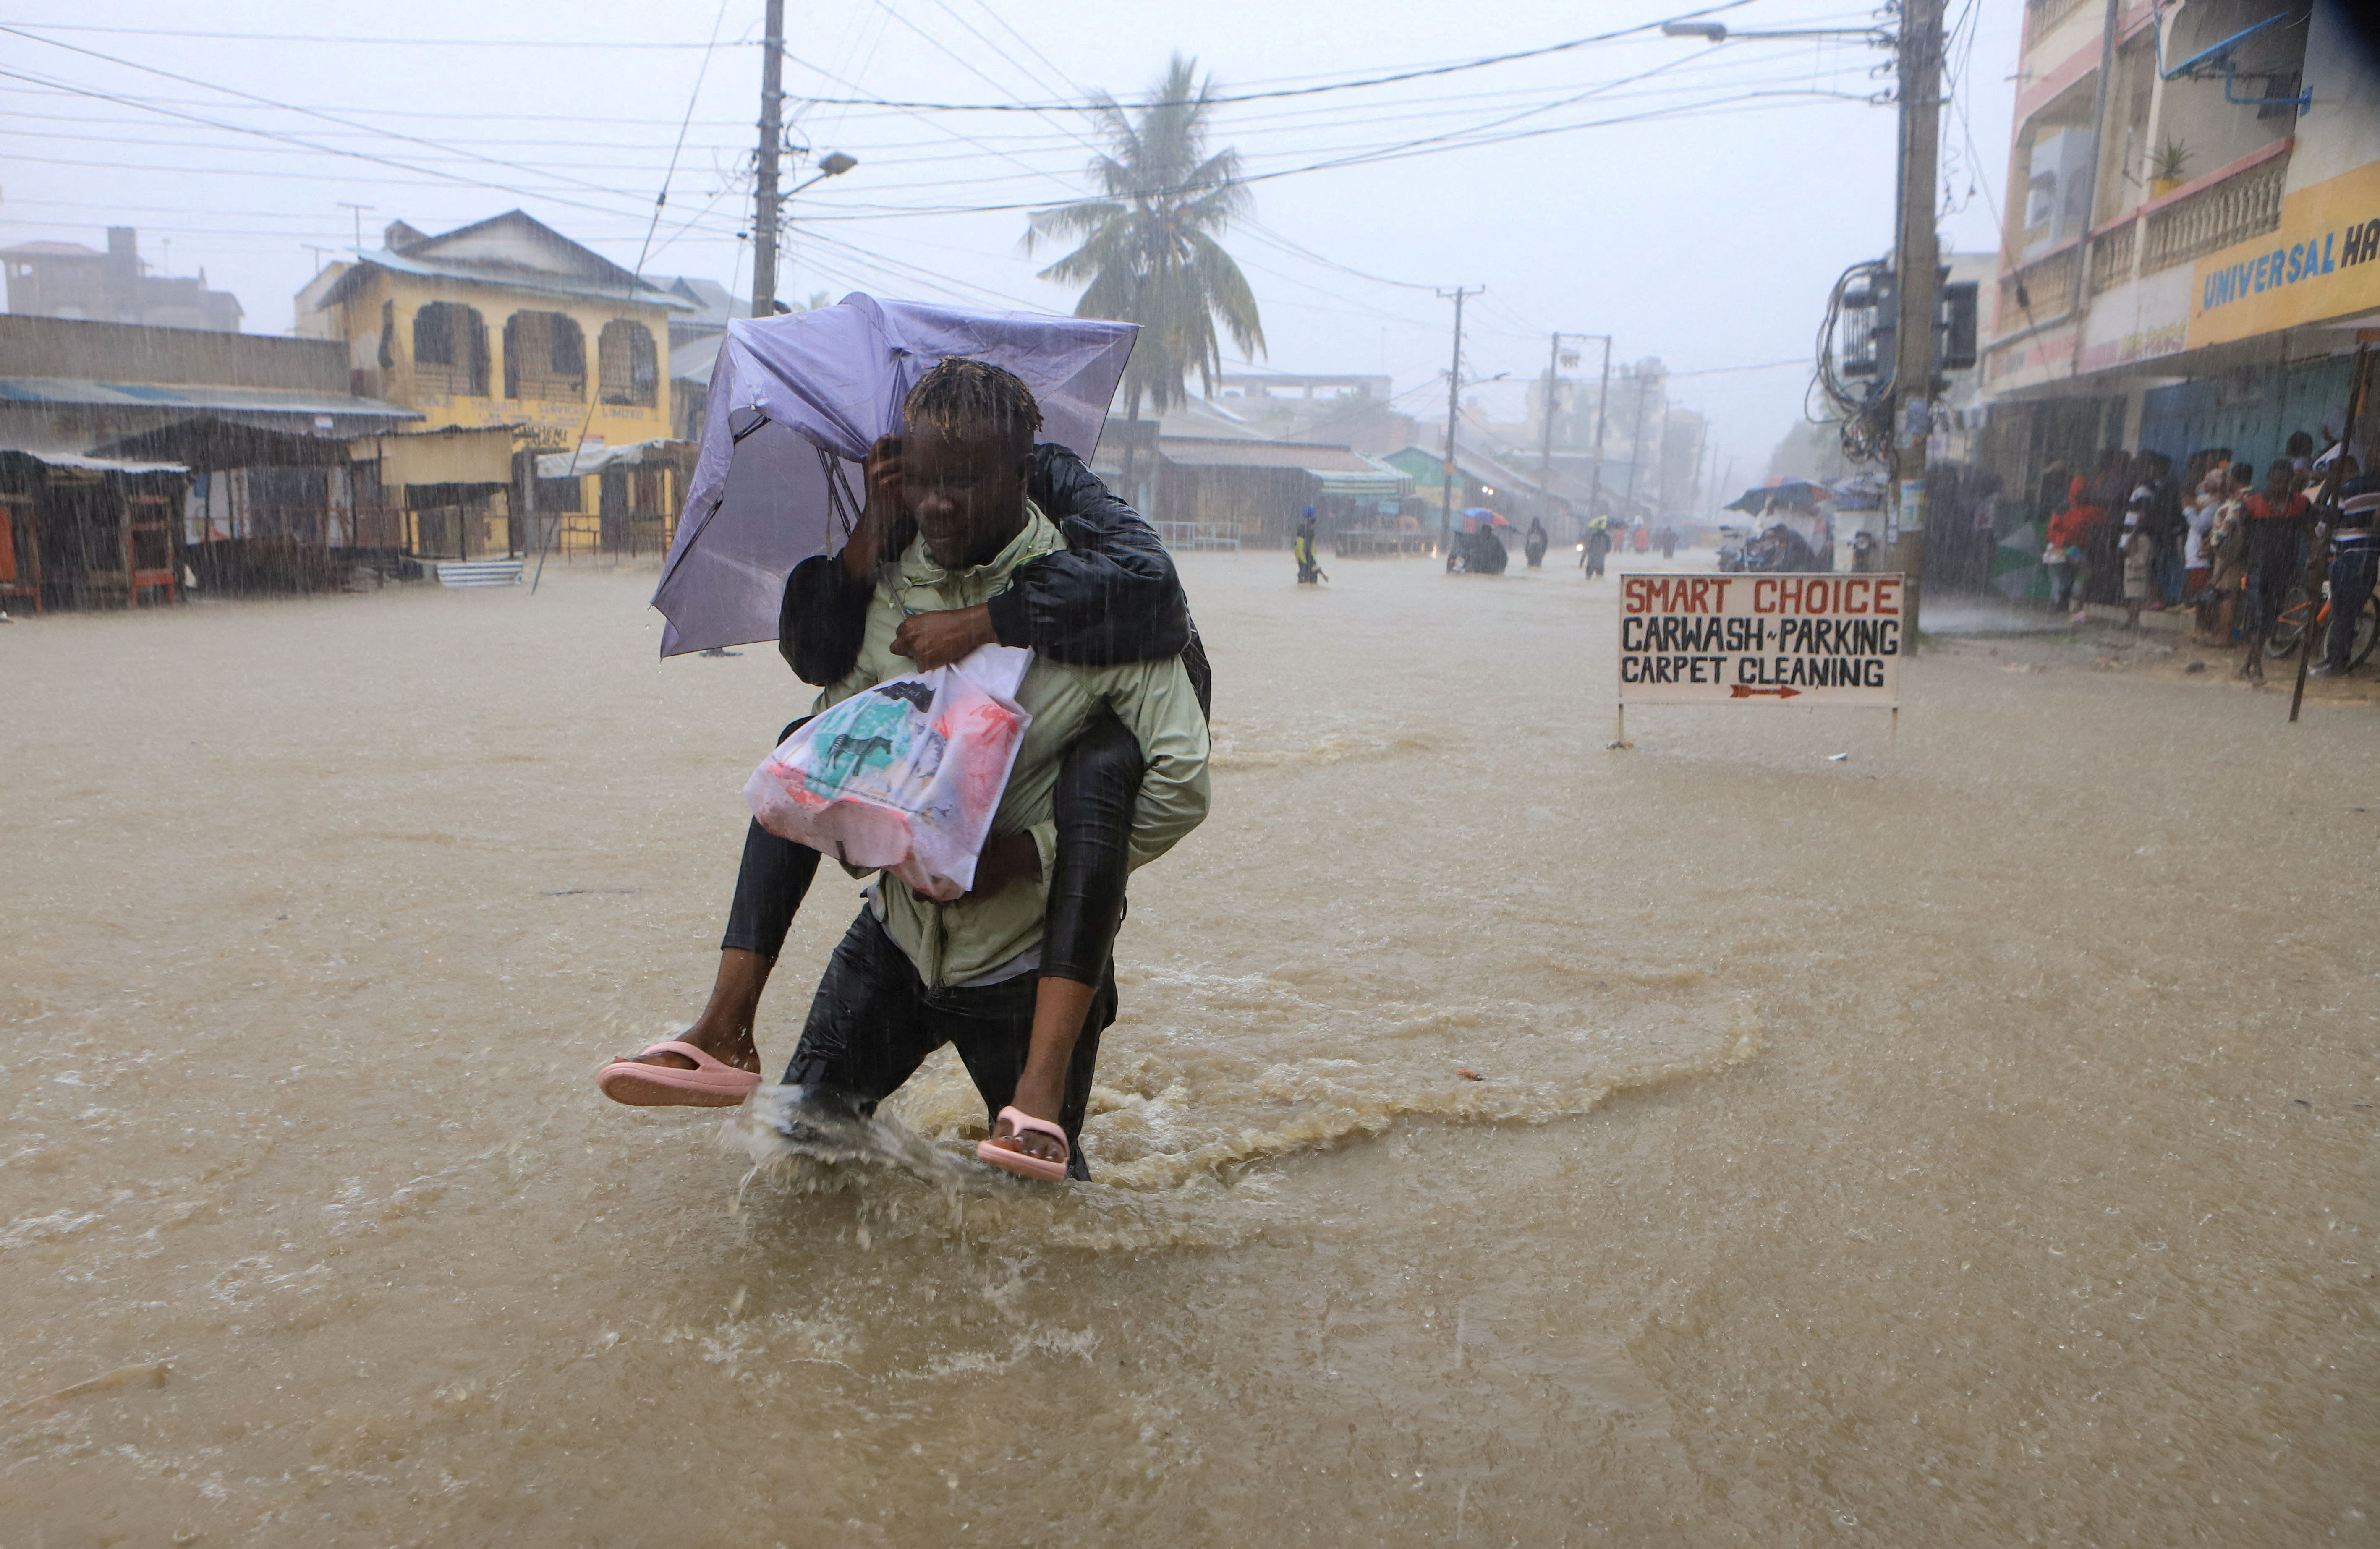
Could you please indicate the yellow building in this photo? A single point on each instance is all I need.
(507, 322)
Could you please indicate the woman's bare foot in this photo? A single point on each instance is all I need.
(724, 1029)
(1060, 1006)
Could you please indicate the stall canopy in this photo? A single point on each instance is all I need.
(796, 403)
(477, 456)
(205, 445)
(590, 458)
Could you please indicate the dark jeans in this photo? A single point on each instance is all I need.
(873, 1022)
(1098, 787)
(2269, 593)
(2353, 570)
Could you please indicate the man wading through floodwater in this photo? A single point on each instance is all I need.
(1016, 973)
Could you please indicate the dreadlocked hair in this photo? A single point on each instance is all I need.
(964, 397)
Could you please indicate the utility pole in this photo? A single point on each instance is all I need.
(1917, 284)
(1546, 448)
(1453, 407)
(764, 189)
(1553, 381)
(1636, 439)
(1602, 397)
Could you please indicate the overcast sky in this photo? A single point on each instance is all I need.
(1706, 233)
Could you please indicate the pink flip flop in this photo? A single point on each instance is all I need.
(1022, 1164)
(712, 1083)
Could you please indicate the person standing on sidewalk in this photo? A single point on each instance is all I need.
(2354, 568)
(2139, 545)
(2067, 555)
(2276, 527)
(2227, 552)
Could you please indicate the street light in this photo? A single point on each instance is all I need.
(1717, 32)
(834, 163)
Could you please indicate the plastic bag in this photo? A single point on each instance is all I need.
(903, 776)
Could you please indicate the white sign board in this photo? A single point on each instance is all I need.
(1760, 639)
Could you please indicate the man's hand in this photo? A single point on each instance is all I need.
(937, 639)
(883, 479)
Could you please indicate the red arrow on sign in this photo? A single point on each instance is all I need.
(1744, 693)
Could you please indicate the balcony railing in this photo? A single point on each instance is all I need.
(2111, 256)
(2230, 209)
(2041, 292)
(2043, 14)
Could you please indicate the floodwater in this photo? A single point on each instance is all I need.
(1968, 1141)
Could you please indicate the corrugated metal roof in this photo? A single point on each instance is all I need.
(1216, 452)
(98, 464)
(503, 278)
(594, 459)
(240, 399)
(692, 360)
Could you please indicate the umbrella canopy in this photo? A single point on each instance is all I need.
(2017, 569)
(796, 401)
(1784, 491)
(1862, 491)
(1480, 516)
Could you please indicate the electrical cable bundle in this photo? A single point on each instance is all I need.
(1863, 411)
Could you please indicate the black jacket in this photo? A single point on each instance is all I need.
(1112, 595)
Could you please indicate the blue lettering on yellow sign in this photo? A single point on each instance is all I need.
(2288, 266)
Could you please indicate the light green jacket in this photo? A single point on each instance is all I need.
(954, 943)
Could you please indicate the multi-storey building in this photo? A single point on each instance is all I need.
(507, 324)
(2192, 254)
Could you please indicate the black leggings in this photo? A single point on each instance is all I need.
(1098, 786)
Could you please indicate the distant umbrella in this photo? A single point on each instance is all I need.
(2017, 570)
(1796, 492)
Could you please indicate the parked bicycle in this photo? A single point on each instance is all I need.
(2301, 609)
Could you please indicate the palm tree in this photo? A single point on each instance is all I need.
(1147, 246)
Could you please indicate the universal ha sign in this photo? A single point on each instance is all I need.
(1760, 640)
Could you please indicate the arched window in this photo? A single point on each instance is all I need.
(545, 356)
(450, 350)
(629, 372)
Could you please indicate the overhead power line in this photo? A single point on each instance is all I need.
(1421, 72)
(1395, 153)
(285, 107)
(1417, 73)
(344, 42)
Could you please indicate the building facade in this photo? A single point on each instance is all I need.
(2192, 254)
(68, 280)
(506, 322)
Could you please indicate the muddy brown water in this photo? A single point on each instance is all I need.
(1970, 1143)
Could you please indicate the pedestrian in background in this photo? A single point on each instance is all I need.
(2111, 488)
(2276, 527)
(1301, 548)
(1599, 547)
(2207, 492)
(2354, 567)
(2067, 556)
(2139, 546)
(1536, 547)
(2227, 552)
(2162, 519)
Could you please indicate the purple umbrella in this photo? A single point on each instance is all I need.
(796, 403)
